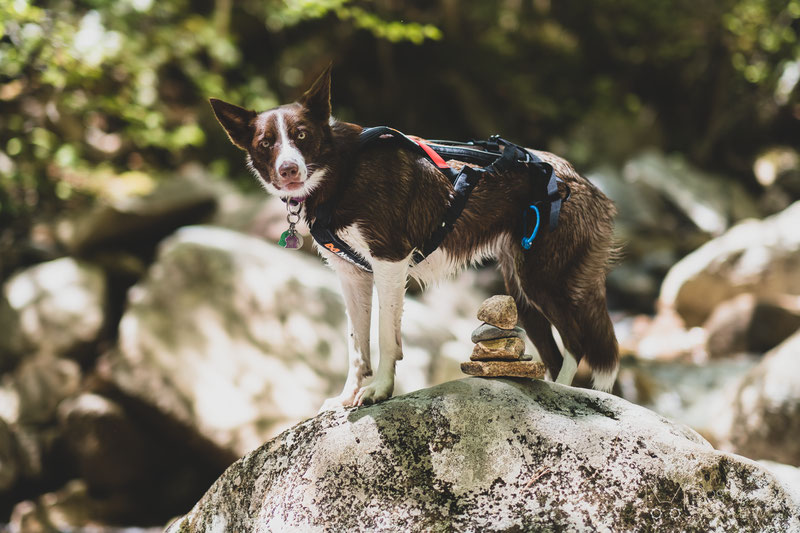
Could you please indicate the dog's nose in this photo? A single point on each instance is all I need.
(288, 170)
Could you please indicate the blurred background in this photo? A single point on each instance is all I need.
(151, 332)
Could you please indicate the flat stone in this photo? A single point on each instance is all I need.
(511, 369)
(509, 349)
(499, 311)
(488, 332)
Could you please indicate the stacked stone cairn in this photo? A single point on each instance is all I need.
(500, 344)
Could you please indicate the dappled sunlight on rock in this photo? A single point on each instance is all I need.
(61, 304)
(760, 418)
(235, 327)
(761, 257)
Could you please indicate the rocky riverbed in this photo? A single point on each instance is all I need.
(161, 338)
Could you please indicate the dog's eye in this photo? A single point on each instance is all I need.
(301, 136)
(264, 143)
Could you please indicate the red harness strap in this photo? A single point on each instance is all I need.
(436, 158)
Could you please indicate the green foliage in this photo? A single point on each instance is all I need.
(99, 86)
(296, 11)
(758, 30)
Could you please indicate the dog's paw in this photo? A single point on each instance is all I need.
(338, 402)
(377, 391)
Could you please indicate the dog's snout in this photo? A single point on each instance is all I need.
(288, 170)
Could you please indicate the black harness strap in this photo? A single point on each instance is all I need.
(325, 237)
(465, 181)
(485, 153)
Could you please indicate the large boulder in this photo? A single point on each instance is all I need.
(59, 306)
(666, 209)
(757, 256)
(763, 421)
(139, 214)
(745, 324)
(710, 202)
(789, 476)
(683, 391)
(239, 339)
(136, 472)
(493, 455)
(231, 336)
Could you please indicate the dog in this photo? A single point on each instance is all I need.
(390, 200)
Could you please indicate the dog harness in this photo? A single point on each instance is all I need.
(492, 160)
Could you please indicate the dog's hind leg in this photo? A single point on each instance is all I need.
(390, 280)
(540, 332)
(541, 306)
(598, 339)
(357, 290)
(538, 328)
(587, 331)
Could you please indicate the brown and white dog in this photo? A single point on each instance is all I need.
(390, 202)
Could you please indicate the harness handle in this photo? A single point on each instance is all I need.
(528, 241)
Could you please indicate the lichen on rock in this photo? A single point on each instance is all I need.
(493, 455)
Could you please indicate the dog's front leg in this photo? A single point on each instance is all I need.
(357, 290)
(390, 279)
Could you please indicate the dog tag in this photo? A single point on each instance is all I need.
(291, 240)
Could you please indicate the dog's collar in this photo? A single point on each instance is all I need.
(294, 200)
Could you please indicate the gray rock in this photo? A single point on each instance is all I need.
(510, 349)
(640, 208)
(32, 392)
(499, 311)
(110, 451)
(140, 218)
(488, 332)
(71, 508)
(788, 476)
(241, 339)
(683, 391)
(20, 454)
(710, 202)
(745, 324)
(762, 418)
(63, 510)
(778, 170)
(60, 305)
(493, 455)
(231, 336)
(656, 234)
(758, 257)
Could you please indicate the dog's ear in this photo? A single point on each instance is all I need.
(237, 122)
(318, 98)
